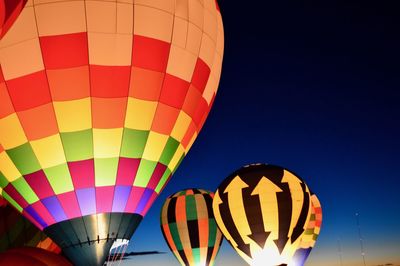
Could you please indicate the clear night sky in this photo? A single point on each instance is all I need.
(314, 88)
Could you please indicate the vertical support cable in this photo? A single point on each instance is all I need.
(361, 240)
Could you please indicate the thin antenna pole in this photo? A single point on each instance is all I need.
(361, 240)
(339, 246)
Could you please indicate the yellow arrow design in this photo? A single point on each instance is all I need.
(266, 191)
(297, 197)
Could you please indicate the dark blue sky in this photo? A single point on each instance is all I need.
(313, 87)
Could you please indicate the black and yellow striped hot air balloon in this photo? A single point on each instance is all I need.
(311, 234)
(263, 210)
(189, 227)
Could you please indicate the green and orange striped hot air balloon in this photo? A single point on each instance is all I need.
(189, 227)
(99, 103)
(311, 234)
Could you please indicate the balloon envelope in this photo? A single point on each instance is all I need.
(32, 257)
(9, 12)
(100, 102)
(311, 234)
(189, 227)
(16, 231)
(262, 210)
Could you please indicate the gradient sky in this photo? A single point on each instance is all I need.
(313, 87)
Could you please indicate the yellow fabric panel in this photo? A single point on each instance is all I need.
(110, 49)
(107, 142)
(101, 16)
(181, 126)
(207, 50)
(55, 18)
(22, 30)
(181, 63)
(165, 5)
(210, 25)
(164, 212)
(49, 151)
(28, 52)
(140, 114)
(196, 13)
(201, 207)
(73, 115)
(7, 168)
(217, 215)
(153, 23)
(193, 39)
(179, 35)
(154, 146)
(178, 154)
(11, 124)
(124, 18)
(182, 9)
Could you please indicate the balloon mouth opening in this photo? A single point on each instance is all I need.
(87, 240)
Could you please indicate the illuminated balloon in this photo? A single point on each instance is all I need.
(9, 12)
(311, 234)
(189, 228)
(262, 210)
(16, 231)
(99, 103)
(32, 257)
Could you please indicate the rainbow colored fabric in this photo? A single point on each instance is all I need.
(100, 102)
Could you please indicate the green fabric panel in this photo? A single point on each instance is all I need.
(24, 159)
(163, 179)
(175, 235)
(25, 190)
(191, 211)
(179, 163)
(144, 173)
(12, 201)
(105, 170)
(3, 181)
(312, 217)
(309, 231)
(212, 232)
(196, 255)
(169, 151)
(78, 146)
(133, 143)
(59, 178)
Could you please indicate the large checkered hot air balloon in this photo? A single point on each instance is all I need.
(263, 210)
(16, 231)
(9, 11)
(99, 102)
(189, 227)
(311, 234)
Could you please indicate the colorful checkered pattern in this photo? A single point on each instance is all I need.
(9, 12)
(311, 234)
(189, 227)
(16, 231)
(101, 100)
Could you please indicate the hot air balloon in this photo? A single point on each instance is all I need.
(33, 257)
(9, 11)
(311, 234)
(16, 231)
(99, 103)
(189, 227)
(262, 210)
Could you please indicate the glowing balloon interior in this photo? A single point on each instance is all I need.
(262, 210)
(100, 102)
(189, 227)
